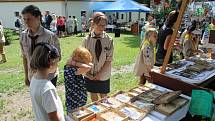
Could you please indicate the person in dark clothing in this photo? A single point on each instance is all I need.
(164, 37)
(48, 20)
(75, 85)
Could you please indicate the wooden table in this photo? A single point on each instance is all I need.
(177, 82)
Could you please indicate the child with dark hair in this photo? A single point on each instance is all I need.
(46, 103)
(75, 85)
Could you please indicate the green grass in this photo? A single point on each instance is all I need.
(125, 50)
(2, 103)
(122, 81)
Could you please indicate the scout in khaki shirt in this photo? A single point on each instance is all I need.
(34, 34)
(100, 45)
(190, 44)
(145, 60)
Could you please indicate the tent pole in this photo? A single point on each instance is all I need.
(173, 37)
(138, 26)
(126, 17)
(66, 9)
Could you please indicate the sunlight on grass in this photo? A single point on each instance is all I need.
(122, 81)
(126, 48)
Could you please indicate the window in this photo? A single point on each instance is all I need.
(122, 16)
(83, 13)
(16, 13)
(117, 15)
(129, 17)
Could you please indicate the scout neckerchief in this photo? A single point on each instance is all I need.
(98, 46)
(33, 42)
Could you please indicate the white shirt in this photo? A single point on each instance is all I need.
(69, 22)
(44, 99)
(2, 37)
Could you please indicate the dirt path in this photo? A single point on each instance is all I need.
(124, 69)
(17, 107)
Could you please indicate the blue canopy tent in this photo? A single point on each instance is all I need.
(123, 6)
(98, 5)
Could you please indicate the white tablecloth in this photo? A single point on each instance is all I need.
(176, 116)
(203, 76)
(110, 27)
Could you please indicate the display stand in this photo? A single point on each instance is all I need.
(174, 84)
(174, 35)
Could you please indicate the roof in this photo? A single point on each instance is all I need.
(123, 6)
(50, 0)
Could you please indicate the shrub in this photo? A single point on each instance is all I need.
(10, 35)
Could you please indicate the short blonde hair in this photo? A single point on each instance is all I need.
(148, 31)
(82, 55)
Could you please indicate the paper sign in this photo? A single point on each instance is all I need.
(201, 103)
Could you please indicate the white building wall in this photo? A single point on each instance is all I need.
(134, 16)
(7, 10)
(74, 8)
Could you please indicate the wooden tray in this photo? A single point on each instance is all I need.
(92, 117)
(168, 109)
(122, 96)
(140, 89)
(167, 97)
(150, 95)
(96, 107)
(141, 104)
(111, 115)
(133, 112)
(111, 102)
(81, 113)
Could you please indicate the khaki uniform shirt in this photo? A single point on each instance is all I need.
(188, 46)
(145, 57)
(106, 54)
(44, 36)
(2, 37)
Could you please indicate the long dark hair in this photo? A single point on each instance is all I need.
(171, 19)
(43, 55)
